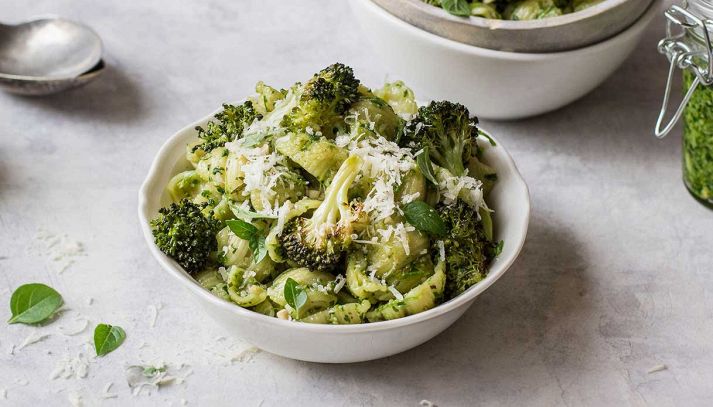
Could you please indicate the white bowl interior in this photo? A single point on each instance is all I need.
(327, 343)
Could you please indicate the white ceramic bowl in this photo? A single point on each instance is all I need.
(493, 84)
(338, 343)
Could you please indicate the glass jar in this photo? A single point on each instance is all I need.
(688, 47)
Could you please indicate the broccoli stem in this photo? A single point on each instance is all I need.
(336, 199)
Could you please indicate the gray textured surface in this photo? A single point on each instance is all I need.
(615, 277)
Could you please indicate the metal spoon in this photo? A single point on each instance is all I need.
(47, 55)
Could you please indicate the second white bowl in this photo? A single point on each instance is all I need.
(493, 84)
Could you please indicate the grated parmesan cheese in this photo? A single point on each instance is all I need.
(61, 251)
(71, 367)
(245, 355)
(657, 368)
(384, 162)
(75, 399)
(32, 339)
(153, 313)
(396, 293)
(441, 250)
(80, 324)
(408, 198)
(339, 283)
(106, 394)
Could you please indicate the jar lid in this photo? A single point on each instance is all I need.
(687, 45)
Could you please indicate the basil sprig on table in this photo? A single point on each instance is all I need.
(424, 218)
(33, 303)
(295, 295)
(107, 338)
(246, 231)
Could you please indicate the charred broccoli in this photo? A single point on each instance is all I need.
(185, 234)
(448, 131)
(232, 120)
(325, 97)
(318, 242)
(468, 251)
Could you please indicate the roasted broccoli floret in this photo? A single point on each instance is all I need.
(319, 241)
(185, 234)
(468, 251)
(325, 97)
(231, 122)
(448, 131)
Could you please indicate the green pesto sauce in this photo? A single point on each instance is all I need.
(698, 141)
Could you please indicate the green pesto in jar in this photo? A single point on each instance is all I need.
(698, 141)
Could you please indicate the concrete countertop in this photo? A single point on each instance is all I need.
(610, 302)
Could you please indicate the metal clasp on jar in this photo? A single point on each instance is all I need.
(694, 55)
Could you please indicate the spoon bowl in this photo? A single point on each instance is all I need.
(48, 55)
(50, 48)
(40, 87)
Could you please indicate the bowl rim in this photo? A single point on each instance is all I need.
(163, 158)
(520, 25)
(631, 30)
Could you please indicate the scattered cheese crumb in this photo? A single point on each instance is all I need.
(33, 338)
(153, 314)
(245, 355)
(657, 368)
(106, 394)
(283, 314)
(81, 324)
(90, 300)
(75, 399)
(427, 403)
(71, 367)
(61, 251)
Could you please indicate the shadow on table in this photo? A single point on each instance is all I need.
(533, 317)
(113, 97)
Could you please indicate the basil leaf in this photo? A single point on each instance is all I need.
(242, 229)
(33, 303)
(107, 338)
(423, 161)
(459, 8)
(247, 215)
(424, 218)
(295, 295)
(498, 248)
(257, 245)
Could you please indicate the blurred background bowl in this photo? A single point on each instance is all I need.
(497, 85)
(570, 31)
